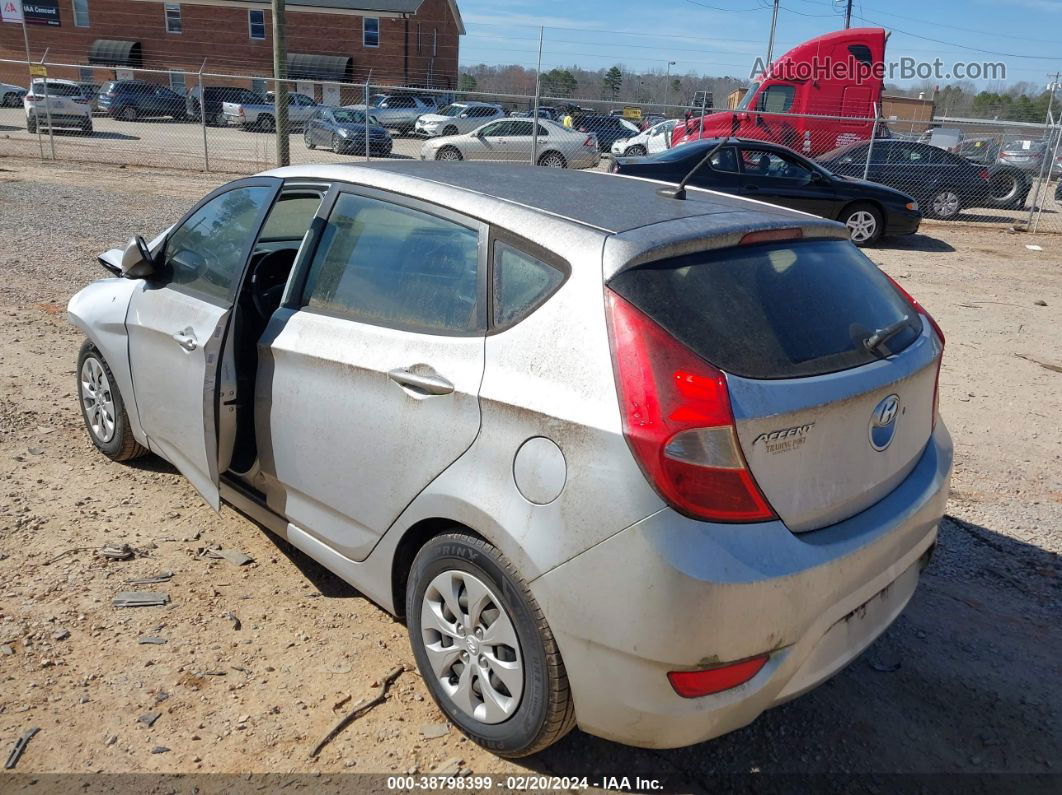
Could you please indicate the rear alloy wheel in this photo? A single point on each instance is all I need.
(863, 222)
(31, 124)
(449, 153)
(552, 160)
(266, 123)
(945, 204)
(103, 409)
(128, 113)
(449, 130)
(337, 144)
(484, 648)
(1007, 187)
(635, 151)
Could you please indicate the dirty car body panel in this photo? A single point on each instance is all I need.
(477, 403)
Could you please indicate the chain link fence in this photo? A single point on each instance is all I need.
(965, 170)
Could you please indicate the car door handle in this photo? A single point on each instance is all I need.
(419, 382)
(186, 339)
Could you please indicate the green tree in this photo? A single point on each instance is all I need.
(613, 81)
(466, 82)
(559, 83)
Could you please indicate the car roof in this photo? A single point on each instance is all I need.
(58, 80)
(604, 202)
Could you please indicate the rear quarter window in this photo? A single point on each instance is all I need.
(773, 311)
(521, 284)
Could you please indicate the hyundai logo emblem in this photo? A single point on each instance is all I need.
(883, 422)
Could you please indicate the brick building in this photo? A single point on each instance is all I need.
(391, 42)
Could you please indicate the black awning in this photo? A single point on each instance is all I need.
(334, 68)
(110, 52)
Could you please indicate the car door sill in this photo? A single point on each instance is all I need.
(248, 502)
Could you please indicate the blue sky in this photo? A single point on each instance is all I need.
(719, 37)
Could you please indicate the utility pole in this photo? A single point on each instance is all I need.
(848, 16)
(770, 44)
(667, 85)
(538, 97)
(280, 87)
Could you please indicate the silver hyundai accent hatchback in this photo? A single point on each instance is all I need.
(643, 465)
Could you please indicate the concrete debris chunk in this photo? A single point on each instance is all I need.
(153, 640)
(233, 556)
(141, 599)
(450, 767)
(162, 576)
(149, 718)
(432, 731)
(117, 551)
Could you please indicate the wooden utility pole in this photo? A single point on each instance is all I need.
(280, 87)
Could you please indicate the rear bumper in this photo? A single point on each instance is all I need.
(671, 593)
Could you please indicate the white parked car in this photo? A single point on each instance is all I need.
(648, 142)
(62, 102)
(513, 139)
(460, 117)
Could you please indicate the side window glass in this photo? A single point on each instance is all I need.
(388, 265)
(777, 99)
(206, 254)
(521, 284)
(725, 160)
(494, 129)
(290, 218)
(521, 128)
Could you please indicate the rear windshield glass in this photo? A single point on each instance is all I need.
(57, 89)
(774, 311)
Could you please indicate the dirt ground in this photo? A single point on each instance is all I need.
(260, 660)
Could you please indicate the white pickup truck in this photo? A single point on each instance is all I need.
(264, 116)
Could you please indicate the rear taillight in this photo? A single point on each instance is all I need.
(589, 141)
(678, 422)
(694, 684)
(983, 174)
(936, 329)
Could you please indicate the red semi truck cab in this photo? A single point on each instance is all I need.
(840, 74)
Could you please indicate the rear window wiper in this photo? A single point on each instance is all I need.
(874, 342)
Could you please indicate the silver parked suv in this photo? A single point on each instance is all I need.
(643, 465)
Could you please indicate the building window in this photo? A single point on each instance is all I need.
(435, 43)
(173, 17)
(81, 15)
(258, 86)
(419, 38)
(256, 25)
(86, 74)
(177, 82)
(371, 32)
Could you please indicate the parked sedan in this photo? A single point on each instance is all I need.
(1024, 154)
(608, 129)
(648, 142)
(213, 108)
(460, 117)
(645, 466)
(942, 182)
(11, 95)
(772, 173)
(513, 140)
(343, 131)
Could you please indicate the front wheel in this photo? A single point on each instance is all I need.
(128, 113)
(448, 153)
(635, 151)
(337, 144)
(864, 223)
(945, 204)
(484, 648)
(102, 407)
(308, 140)
(266, 123)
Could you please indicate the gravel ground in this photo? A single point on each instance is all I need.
(965, 681)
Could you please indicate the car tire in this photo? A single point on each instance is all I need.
(86, 127)
(306, 140)
(944, 205)
(266, 123)
(1008, 188)
(218, 119)
(553, 160)
(534, 707)
(128, 113)
(10, 100)
(337, 144)
(449, 130)
(449, 153)
(31, 124)
(635, 151)
(864, 221)
(98, 393)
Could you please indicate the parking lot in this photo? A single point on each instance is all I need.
(260, 660)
